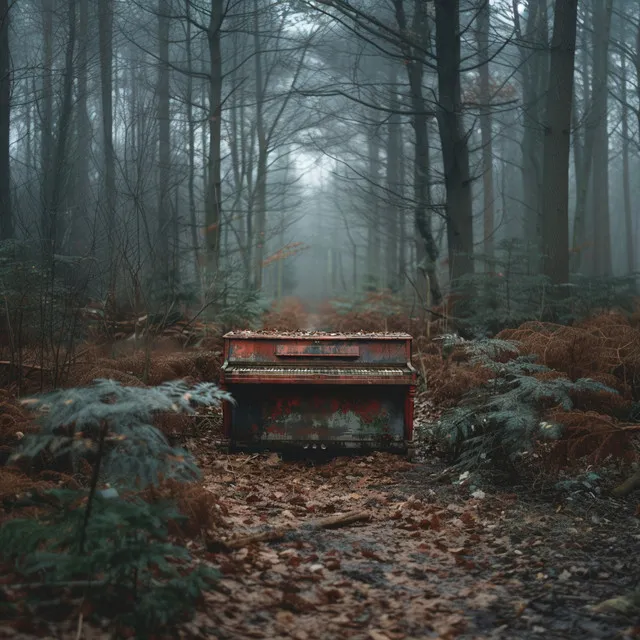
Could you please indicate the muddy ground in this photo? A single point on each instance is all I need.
(437, 559)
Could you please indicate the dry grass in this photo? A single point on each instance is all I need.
(288, 314)
(591, 437)
(138, 368)
(606, 346)
(15, 420)
(447, 382)
(204, 513)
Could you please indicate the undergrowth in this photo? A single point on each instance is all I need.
(108, 538)
(377, 312)
(507, 291)
(522, 402)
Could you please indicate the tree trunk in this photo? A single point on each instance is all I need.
(260, 196)
(57, 180)
(373, 215)
(213, 212)
(533, 69)
(80, 226)
(392, 215)
(583, 160)
(106, 82)
(626, 172)
(46, 144)
(164, 145)
(402, 231)
(555, 200)
(6, 212)
(455, 151)
(600, 182)
(486, 128)
(193, 220)
(426, 248)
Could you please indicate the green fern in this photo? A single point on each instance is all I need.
(495, 423)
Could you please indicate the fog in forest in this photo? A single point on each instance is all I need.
(167, 153)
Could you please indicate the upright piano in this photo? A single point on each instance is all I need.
(318, 390)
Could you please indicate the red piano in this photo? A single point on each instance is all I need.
(318, 390)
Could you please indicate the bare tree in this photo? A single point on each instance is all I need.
(454, 137)
(213, 206)
(6, 215)
(415, 55)
(80, 221)
(600, 113)
(557, 142)
(105, 32)
(164, 146)
(483, 24)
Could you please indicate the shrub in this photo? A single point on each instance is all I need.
(498, 421)
(378, 311)
(603, 345)
(106, 540)
(288, 314)
(508, 291)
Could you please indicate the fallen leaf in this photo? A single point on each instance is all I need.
(483, 600)
(621, 604)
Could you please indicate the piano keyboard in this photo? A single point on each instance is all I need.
(316, 371)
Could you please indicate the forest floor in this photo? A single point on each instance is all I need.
(436, 559)
(430, 556)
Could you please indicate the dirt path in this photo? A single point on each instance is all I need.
(433, 561)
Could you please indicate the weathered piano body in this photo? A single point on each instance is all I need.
(318, 390)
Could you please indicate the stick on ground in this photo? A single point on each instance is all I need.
(332, 522)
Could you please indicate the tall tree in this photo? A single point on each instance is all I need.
(557, 141)
(164, 143)
(80, 224)
(600, 113)
(374, 268)
(453, 138)
(213, 206)
(56, 179)
(193, 221)
(532, 39)
(6, 213)
(106, 83)
(392, 214)
(261, 132)
(46, 135)
(583, 140)
(483, 21)
(626, 153)
(412, 45)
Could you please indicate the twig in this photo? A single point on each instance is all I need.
(24, 365)
(79, 631)
(332, 522)
(250, 458)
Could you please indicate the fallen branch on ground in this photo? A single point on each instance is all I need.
(332, 522)
(628, 486)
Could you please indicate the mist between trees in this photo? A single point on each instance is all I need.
(210, 152)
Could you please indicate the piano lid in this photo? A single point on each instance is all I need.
(366, 349)
(313, 335)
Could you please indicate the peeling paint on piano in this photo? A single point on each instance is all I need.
(342, 390)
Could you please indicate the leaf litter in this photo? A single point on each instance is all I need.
(430, 559)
